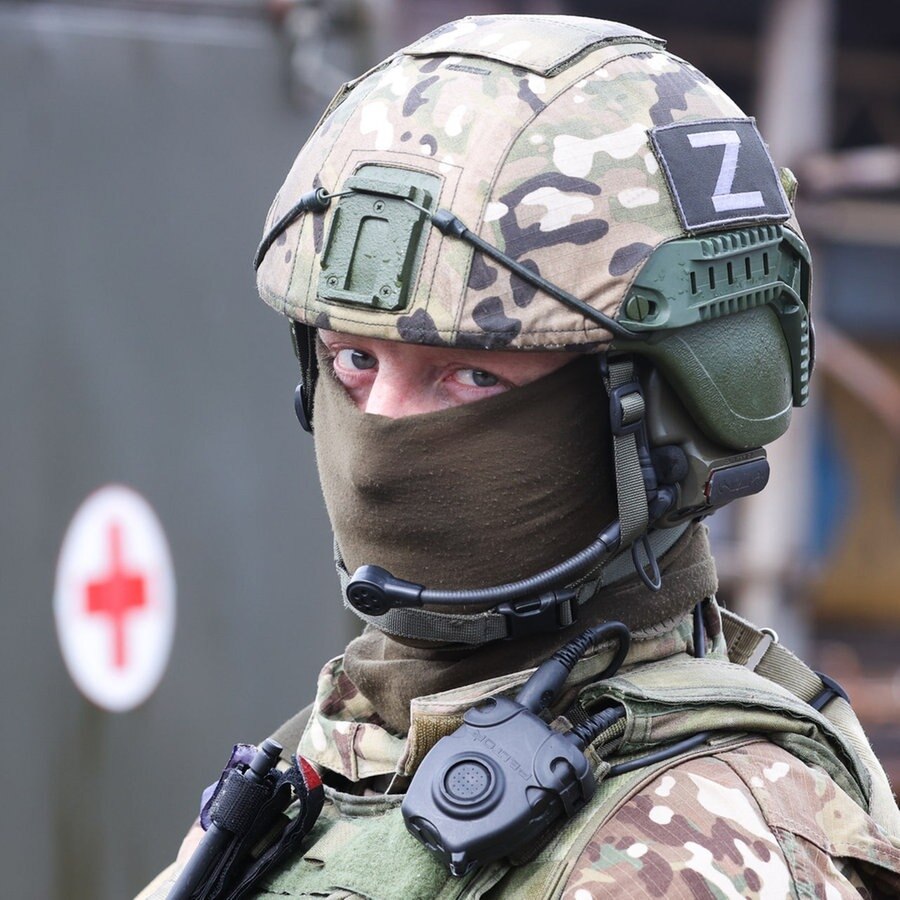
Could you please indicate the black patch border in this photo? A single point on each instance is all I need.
(694, 227)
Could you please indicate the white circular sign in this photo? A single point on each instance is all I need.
(115, 599)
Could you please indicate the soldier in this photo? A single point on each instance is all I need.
(550, 302)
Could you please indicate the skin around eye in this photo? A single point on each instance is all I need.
(397, 379)
(355, 367)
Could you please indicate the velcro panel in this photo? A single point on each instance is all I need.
(544, 45)
(237, 803)
(720, 173)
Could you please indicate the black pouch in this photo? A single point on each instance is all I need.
(263, 833)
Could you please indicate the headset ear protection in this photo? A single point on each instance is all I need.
(686, 473)
(695, 393)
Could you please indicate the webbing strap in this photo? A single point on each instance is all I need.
(622, 565)
(749, 646)
(237, 803)
(480, 628)
(630, 490)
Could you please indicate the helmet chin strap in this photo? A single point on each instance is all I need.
(304, 340)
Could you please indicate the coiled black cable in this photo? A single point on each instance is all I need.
(542, 687)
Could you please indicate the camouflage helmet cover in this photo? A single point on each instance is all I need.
(536, 132)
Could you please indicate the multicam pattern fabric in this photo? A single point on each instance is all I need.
(555, 169)
(344, 733)
(748, 820)
(751, 823)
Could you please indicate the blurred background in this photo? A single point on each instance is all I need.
(141, 142)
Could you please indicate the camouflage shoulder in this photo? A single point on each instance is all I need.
(751, 822)
(160, 887)
(288, 734)
(344, 733)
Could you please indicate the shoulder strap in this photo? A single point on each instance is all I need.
(760, 652)
(681, 702)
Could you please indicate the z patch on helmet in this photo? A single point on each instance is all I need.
(720, 173)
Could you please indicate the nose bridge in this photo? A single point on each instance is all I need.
(390, 394)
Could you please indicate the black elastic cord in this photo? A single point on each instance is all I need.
(585, 733)
(569, 654)
(317, 200)
(447, 223)
(654, 579)
(660, 755)
(542, 688)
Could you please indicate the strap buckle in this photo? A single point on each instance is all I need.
(626, 408)
(548, 612)
(830, 690)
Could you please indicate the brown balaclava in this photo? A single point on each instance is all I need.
(475, 495)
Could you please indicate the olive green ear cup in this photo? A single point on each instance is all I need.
(726, 318)
(733, 374)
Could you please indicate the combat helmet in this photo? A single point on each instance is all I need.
(553, 182)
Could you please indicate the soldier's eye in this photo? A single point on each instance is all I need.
(477, 378)
(355, 359)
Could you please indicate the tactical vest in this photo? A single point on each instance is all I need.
(360, 846)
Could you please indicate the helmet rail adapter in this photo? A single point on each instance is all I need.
(549, 183)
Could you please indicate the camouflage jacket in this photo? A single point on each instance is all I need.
(751, 820)
(741, 819)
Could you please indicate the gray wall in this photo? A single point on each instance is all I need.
(138, 156)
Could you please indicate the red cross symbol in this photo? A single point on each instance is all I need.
(116, 594)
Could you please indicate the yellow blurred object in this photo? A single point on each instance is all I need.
(860, 576)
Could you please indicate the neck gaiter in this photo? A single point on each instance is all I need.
(389, 672)
(472, 496)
